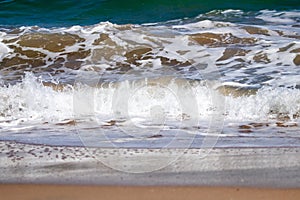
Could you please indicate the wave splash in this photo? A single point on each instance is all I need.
(34, 100)
(246, 71)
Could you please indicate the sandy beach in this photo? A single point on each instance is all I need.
(59, 172)
(241, 167)
(47, 192)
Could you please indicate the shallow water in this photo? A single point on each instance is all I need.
(225, 78)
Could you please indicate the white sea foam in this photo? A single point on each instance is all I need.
(31, 102)
(279, 17)
(3, 48)
(205, 24)
(174, 42)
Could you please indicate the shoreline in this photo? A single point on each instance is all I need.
(150, 148)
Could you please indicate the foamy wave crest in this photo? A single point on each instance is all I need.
(33, 101)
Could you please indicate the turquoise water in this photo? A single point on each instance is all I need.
(82, 12)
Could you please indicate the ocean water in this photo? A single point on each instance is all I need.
(151, 74)
(68, 12)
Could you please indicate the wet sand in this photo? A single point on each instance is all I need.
(41, 172)
(50, 192)
(224, 167)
